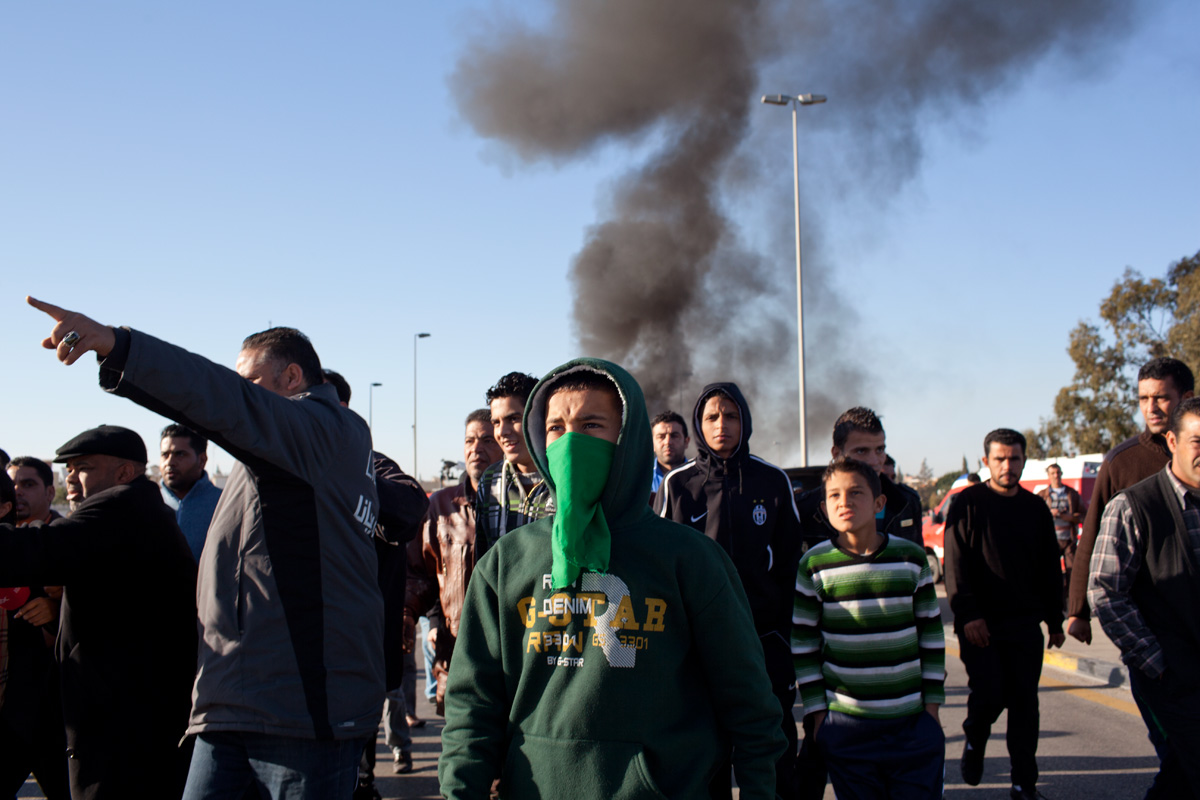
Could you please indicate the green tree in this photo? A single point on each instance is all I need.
(1144, 319)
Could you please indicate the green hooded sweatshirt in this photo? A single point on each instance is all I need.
(632, 683)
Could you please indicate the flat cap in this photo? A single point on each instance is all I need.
(107, 440)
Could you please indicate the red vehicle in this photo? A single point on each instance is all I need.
(1079, 473)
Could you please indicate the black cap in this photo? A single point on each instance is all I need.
(107, 440)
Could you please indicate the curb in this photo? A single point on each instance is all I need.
(1112, 674)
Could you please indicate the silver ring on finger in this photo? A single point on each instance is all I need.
(71, 339)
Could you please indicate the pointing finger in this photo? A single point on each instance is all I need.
(48, 308)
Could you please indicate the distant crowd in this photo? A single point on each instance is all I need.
(600, 616)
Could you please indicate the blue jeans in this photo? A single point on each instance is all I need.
(226, 764)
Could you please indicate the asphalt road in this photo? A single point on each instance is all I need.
(1093, 745)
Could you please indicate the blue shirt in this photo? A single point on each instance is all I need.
(195, 511)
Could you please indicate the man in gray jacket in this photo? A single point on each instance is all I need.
(291, 672)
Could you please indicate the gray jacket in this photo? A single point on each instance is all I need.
(290, 610)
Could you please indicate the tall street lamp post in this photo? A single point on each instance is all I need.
(796, 101)
(416, 336)
(371, 406)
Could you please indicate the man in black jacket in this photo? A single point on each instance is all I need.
(126, 677)
(746, 505)
(859, 434)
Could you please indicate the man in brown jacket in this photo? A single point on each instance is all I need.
(448, 547)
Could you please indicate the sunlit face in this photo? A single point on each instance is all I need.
(1054, 475)
(849, 503)
(592, 412)
(87, 475)
(721, 425)
(507, 428)
(1006, 463)
(480, 449)
(181, 466)
(869, 448)
(256, 366)
(1185, 450)
(670, 445)
(1157, 400)
(33, 496)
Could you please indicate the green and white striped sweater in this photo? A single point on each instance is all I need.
(867, 635)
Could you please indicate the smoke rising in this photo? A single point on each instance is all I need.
(665, 283)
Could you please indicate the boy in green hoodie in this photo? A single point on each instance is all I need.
(604, 652)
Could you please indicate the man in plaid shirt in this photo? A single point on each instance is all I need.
(511, 492)
(1144, 589)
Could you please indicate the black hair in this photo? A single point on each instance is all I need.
(1159, 369)
(1054, 466)
(974, 478)
(845, 464)
(4, 459)
(514, 384)
(889, 461)
(198, 442)
(288, 346)
(1189, 406)
(584, 381)
(43, 469)
(860, 419)
(340, 384)
(8, 494)
(1005, 436)
(670, 416)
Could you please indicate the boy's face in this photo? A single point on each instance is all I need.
(592, 412)
(870, 448)
(506, 427)
(848, 503)
(721, 425)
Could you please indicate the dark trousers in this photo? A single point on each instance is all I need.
(1172, 706)
(873, 759)
(42, 754)
(1004, 675)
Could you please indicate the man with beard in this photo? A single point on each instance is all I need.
(125, 684)
(448, 548)
(669, 434)
(1002, 582)
(185, 484)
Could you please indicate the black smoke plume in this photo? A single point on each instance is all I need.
(665, 284)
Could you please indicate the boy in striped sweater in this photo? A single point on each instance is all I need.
(868, 648)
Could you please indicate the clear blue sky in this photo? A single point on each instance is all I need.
(201, 172)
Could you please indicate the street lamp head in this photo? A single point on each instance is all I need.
(810, 99)
(423, 335)
(776, 99)
(377, 384)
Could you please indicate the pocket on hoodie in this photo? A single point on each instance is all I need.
(582, 769)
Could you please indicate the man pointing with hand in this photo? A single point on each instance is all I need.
(290, 680)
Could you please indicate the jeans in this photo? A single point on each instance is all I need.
(427, 650)
(902, 759)
(225, 764)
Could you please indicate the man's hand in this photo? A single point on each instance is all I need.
(431, 637)
(1057, 639)
(39, 611)
(93, 337)
(813, 722)
(976, 632)
(932, 710)
(1080, 628)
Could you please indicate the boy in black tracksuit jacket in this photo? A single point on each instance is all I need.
(746, 505)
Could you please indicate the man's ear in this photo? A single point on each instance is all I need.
(202, 459)
(1171, 441)
(293, 378)
(880, 503)
(127, 471)
(835, 451)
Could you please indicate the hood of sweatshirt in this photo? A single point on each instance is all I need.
(626, 496)
(704, 453)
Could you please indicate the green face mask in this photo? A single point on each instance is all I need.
(579, 466)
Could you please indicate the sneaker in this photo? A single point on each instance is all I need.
(402, 763)
(972, 766)
(414, 722)
(1018, 793)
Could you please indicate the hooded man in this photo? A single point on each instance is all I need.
(746, 505)
(604, 652)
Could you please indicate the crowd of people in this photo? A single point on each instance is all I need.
(606, 618)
